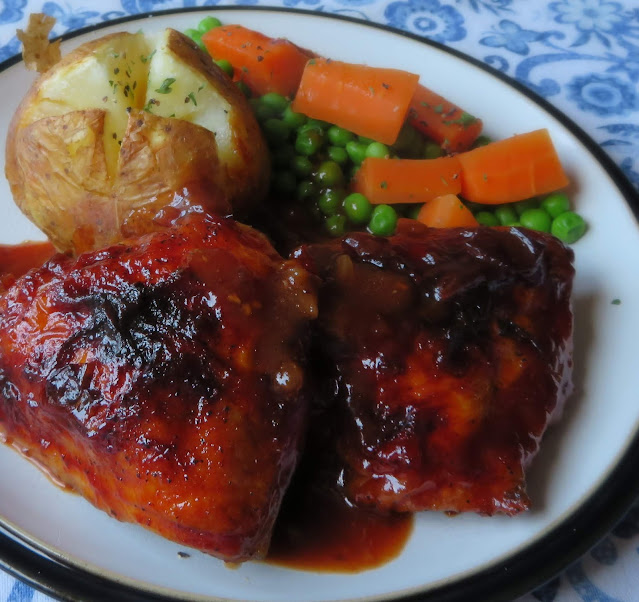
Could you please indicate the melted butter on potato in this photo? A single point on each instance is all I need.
(107, 136)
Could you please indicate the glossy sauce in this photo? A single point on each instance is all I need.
(450, 351)
(16, 260)
(19, 259)
(26, 453)
(318, 531)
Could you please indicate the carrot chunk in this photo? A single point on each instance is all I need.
(391, 181)
(264, 64)
(512, 169)
(368, 101)
(446, 211)
(452, 128)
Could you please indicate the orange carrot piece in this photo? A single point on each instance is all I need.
(264, 64)
(393, 181)
(369, 101)
(512, 169)
(446, 211)
(452, 128)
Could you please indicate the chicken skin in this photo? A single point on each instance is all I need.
(446, 353)
(163, 379)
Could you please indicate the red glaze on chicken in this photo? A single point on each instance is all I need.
(163, 379)
(449, 352)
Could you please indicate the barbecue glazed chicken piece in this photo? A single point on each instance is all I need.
(449, 353)
(162, 379)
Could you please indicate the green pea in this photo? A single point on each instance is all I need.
(383, 221)
(339, 136)
(306, 190)
(337, 154)
(329, 173)
(284, 182)
(486, 218)
(475, 207)
(515, 224)
(414, 210)
(285, 156)
(335, 225)
(409, 142)
(308, 142)
(329, 201)
(401, 208)
(356, 151)
(377, 150)
(482, 141)
(353, 171)
(292, 119)
(432, 150)
(244, 89)
(324, 125)
(196, 36)
(521, 206)
(226, 67)
(262, 112)
(274, 100)
(505, 214)
(357, 208)
(556, 204)
(365, 140)
(309, 127)
(301, 165)
(536, 219)
(276, 131)
(208, 23)
(568, 227)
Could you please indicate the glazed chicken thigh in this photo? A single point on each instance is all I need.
(163, 379)
(445, 353)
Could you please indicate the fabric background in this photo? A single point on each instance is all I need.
(581, 55)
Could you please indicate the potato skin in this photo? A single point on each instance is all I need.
(59, 177)
(62, 178)
(166, 161)
(20, 163)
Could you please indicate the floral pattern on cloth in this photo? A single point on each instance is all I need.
(580, 55)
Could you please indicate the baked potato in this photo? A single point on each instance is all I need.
(105, 139)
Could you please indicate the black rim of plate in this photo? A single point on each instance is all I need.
(505, 580)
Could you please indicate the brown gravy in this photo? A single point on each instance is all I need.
(322, 533)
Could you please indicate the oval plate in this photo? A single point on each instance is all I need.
(580, 483)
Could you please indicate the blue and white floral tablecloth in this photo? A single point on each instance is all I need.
(581, 55)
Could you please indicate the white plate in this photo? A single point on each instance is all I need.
(61, 543)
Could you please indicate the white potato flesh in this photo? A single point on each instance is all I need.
(177, 90)
(112, 78)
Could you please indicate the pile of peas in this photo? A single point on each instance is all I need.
(547, 214)
(314, 161)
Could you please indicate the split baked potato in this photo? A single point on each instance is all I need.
(107, 137)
